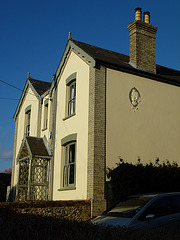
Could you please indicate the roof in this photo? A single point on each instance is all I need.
(37, 146)
(103, 55)
(121, 62)
(40, 86)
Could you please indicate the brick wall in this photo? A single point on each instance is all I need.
(71, 210)
(96, 140)
(142, 45)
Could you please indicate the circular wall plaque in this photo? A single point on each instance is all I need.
(135, 98)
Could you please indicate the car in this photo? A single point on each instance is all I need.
(143, 211)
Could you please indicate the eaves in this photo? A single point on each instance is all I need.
(141, 73)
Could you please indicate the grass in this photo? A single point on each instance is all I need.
(23, 226)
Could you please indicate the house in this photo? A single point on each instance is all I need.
(100, 105)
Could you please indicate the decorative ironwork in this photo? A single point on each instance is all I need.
(23, 180)
(39, 179)
(22, 194)
(39, 170)
(38, 193)
(33, 179)
(23, 172)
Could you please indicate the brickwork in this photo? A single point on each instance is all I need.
(96, 141)
(51, 142)
(71, 210)
(142, 45)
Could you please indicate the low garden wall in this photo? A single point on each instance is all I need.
(71, 210)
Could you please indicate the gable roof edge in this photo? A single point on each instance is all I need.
(70, 45)
(28, 83)
(24, 141)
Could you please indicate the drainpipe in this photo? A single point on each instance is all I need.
(54, 136)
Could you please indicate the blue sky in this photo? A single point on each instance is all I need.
(34, 34)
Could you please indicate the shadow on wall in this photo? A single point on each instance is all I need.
(11, 194)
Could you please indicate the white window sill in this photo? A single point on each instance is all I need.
(69, 116)
(67, 188)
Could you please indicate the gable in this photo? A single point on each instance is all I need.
(40, 87)
(70, 46)
(37, 87)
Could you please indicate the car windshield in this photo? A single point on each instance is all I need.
(130, 207)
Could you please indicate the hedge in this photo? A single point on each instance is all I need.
(128, 179)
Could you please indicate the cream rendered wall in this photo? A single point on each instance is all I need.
(151, 131)
(75, 124)
(29, 99)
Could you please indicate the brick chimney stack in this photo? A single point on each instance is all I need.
(142, 42)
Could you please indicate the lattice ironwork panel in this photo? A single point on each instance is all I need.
(23, 172)
(35, 187)
(38, 193)
(22, 194)
(39, 170)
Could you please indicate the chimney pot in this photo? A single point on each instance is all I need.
(146, 17)
(138, 13)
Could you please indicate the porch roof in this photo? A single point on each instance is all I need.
(37, 146)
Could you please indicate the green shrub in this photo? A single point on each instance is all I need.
(128, 179)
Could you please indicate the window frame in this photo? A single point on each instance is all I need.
(45, 119)
(71, 105)
(27, 121)
(69, 164)
(71, 95)
(66, 162)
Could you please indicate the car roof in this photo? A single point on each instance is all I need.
(154, 194)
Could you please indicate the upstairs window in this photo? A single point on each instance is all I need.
(45, 124)
(27, 120)
(72, 99)
(71, 95)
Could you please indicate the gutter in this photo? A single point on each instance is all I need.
(141, 73)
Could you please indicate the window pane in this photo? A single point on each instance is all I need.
(45, 115)
(65, 176)
(69, 165)
(66, 155)
(71, 173)
(72, 99)
(27, 123)
(28, 117)
(71, 92)
(176, 200)
(74, 90)
(27, 130)
(160, 207)
(71, 107)
(72, 153)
